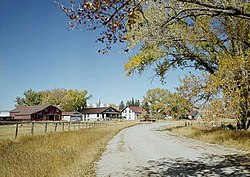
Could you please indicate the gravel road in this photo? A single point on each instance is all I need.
(143, 151)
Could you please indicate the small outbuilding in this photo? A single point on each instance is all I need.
(71, 116)
(101, 113)
(37, 113)
(5, 115)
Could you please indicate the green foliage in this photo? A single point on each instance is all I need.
(121, 105)
(210, 36)
(177, 105)
(159, 101)
(30, 98)
(65, 99)
(133, 102)
(116, 17)
(155, 101)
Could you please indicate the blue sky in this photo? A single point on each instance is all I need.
(38, 52)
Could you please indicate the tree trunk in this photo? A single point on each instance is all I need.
(244, 123)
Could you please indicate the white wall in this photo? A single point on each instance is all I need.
(4, 113)
(66, 118)
(129, 114)
(93, 117)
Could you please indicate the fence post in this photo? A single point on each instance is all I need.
(63, 126)
(69, 126)
(46, 127)
(16, 130)
(32, 128)
(55, 126)
(79, 125)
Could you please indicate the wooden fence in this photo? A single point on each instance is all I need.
(32, 127)
(226, 124)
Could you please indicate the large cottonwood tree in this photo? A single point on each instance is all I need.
(174, 33)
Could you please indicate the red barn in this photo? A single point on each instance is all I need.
(38, 112)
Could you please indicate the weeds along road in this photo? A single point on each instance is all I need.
(143, 151)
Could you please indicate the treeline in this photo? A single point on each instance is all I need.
(65, 99)
(132, 102)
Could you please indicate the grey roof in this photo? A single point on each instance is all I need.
(97, 110)
(28, 110)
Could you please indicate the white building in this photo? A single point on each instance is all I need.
(71, 116)
(131, 112)
(5, 115)
(98, 114)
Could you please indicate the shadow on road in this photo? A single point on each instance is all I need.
(208, 165)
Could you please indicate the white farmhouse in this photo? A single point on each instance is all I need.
(131, 112)
(101, 113)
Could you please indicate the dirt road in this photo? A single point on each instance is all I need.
(143, 151)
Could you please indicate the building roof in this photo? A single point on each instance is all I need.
(28, 110)
(69, 113)
(191, 113)
(98, 110)
(135, 109)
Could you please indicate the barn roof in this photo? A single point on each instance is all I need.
(27, 110)
(135, 109)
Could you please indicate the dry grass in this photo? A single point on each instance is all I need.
(56, 154)
(8, 131)
(228, 138)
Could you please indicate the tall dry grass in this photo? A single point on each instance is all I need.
(56, 154)
(238, 139)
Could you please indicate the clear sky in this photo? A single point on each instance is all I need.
(38, 52)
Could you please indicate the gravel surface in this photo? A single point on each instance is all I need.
(143, 151)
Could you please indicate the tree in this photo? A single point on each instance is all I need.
(227, 90)
(74, 100)
(121, 105)
(177, 105)
(65, 99)
(117, 17)
(54, 96)
(233, 78)
(155, 101)
(31, 98)
(113, 105)
(133, 102)
(171, 34)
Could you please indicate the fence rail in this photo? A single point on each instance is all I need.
(31, 127)
(226, 124)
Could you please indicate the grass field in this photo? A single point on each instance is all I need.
(8, 131)
(71, 153)
(238, 139)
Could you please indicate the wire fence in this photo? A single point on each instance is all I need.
(14, 129)
(225, 124)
